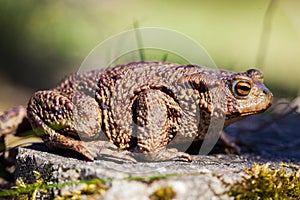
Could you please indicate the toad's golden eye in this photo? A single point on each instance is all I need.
(241, 88)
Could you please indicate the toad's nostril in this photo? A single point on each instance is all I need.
(265, 92)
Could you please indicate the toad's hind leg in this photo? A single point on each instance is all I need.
(63, 122)
(155, 117)
(12, 119)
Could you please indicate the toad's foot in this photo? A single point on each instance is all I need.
(164, 155)
(108, 151)
(92, 150)
(228, 144)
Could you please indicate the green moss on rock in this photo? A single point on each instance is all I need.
(268, 182)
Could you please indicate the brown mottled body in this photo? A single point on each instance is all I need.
(142, 107)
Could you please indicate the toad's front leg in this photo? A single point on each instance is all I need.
(62, 122)
(155, 117)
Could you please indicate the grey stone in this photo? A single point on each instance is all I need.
(200, 179)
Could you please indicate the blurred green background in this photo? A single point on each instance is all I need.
(41, 41)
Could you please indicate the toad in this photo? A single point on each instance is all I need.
(136, 110)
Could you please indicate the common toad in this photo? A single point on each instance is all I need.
(137, 109)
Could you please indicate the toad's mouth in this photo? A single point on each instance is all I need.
(252, 112)
(256, 111)
(234, 117)
(245, 114)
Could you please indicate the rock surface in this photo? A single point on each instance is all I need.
(201, 178)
